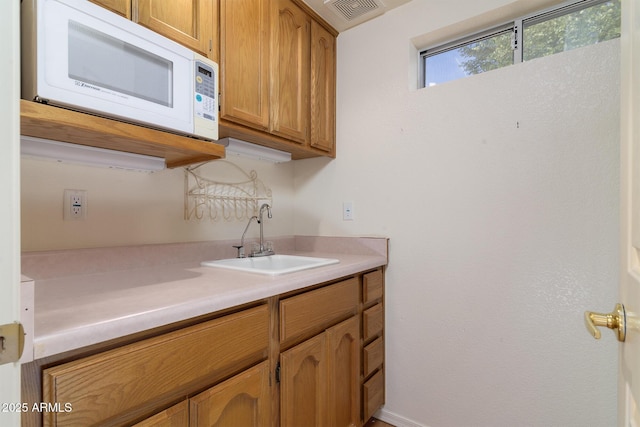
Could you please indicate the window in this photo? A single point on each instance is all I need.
(569, 28)
(563, 28)
(481, 52)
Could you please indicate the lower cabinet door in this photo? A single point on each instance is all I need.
(242, 400)
(303, 384)
(121, 385)
(343, 349)
(320, 379)
(176, 416)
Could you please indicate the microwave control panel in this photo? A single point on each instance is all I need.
(206, 106)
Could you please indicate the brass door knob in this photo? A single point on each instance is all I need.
(615, 320)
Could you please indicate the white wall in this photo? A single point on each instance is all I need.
(131, 208)
(499, 193)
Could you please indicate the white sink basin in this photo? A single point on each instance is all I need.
(272, 264)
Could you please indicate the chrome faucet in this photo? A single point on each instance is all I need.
(240, 248)
(262, 251)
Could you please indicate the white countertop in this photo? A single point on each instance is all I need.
(84, 309)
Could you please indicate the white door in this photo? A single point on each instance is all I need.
(10, 196)
(629, 354)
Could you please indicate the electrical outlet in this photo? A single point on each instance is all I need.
(75, 205)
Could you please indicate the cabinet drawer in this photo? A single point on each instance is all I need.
(126, 383)
(372, 321)
(372, 286)
(373, 394)
(314, 311)
(373, 356)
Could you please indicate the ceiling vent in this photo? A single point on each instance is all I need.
(352, 9)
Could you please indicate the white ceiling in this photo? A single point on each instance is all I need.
(344, 14)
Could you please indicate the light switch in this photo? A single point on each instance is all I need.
(347, 211)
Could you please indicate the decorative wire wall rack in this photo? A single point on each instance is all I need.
(215, 200)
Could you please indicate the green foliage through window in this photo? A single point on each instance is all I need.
(486, 55)
(584, 27)
(567, 27)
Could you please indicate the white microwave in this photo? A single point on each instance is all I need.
(78, 55)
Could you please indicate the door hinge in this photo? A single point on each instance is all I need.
(278, 373)
(11, 342)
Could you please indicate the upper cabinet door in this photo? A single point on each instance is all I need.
(244, 62)
(121, 7)
(290, 72)
(188, 22)
(323, 89)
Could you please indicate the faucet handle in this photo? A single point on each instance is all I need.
(240, 250)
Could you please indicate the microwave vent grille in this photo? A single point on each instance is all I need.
(352, 9)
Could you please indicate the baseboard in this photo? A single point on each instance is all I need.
(396, 420)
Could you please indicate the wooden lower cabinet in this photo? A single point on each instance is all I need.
(372, 312)
(373, 394)
(320, 376)
(240, 401)
(328, 341)
(320, 379)
(343, 351)
(121, 386)
(175, 416)
(303, 384)
(309, 313)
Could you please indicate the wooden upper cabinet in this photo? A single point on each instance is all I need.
(121, 7)
(277, 65)
(244, 58)
(290, 72)
(277, 68)
(323, 89)
(188, 22)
